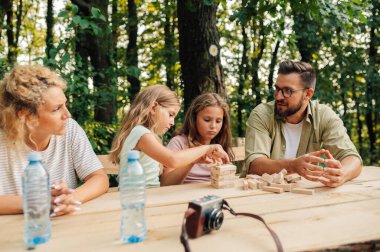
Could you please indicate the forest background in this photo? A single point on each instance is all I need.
(107, 50)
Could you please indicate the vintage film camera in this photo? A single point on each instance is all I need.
(208, 216)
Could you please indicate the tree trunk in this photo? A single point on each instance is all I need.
(132, 57)
(359, 128)
(273, 63)
(115, 28)
(98, 47)
(243, 72)
(10, 34)
(371, 72)
(18, 23)
(81, 110)
(306, 30)
(170, 49)
(49, 28)
(4, 6)
(259, 50)
(198, 36)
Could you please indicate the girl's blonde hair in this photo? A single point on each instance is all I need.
(189, 128)
(21, 95)
(139, 114)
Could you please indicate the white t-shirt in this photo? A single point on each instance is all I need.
(151, 167)
(65, 157)
(292, 134)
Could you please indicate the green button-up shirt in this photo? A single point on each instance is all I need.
(322, 128)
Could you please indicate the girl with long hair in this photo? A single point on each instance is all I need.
(207, 121)
(152, 113)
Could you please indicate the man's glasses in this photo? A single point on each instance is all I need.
(286, 92)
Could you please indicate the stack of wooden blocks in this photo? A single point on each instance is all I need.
(277, 183)
(223, 176)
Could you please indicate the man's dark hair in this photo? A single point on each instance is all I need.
(305, 70)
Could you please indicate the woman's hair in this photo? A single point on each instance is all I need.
(189, 127)
(139, 114)
(21, 95)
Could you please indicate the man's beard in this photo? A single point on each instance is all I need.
(283, 114)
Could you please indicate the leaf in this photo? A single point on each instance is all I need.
(76, 19)
(133, 71)
(65, 58)
(74, 9)
(62, 13)
(84, 23)
(208, 2)
(102, 17)
(95, 12)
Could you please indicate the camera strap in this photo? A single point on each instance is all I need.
(184, 237)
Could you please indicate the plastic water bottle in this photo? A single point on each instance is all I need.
(132, 199)
(36, 202)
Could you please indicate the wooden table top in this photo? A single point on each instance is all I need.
(330, 218)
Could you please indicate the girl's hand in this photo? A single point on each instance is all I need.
(217, 154)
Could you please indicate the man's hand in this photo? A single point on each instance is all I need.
(304, 166)
(333, 175)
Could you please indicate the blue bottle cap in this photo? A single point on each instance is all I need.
(133, 154)
(34, 156)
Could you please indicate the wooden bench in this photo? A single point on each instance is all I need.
(111, 168)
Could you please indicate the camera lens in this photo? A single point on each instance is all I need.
(215, 219)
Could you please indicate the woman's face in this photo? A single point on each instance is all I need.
(209, 123)
(53, 114)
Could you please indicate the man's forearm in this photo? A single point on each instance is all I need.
(352, 166)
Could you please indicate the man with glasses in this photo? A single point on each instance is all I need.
(295, 133)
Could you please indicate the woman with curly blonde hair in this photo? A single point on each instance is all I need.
(34, 117)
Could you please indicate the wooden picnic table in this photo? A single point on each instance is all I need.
(330, 218)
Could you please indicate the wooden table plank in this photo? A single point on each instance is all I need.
(330, 218)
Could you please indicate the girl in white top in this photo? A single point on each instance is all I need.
(33, 116)
(153, 112)
(207, 121)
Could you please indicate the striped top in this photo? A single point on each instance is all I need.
(151, 167)
(65, 158)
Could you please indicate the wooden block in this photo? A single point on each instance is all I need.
(290, 178)
(221, 173)
(284, 172)
(260, 185)
(266, 177)
(253, 176)
(264, 182)
(303, 191)
(273, 189)
(278, 178)
(245, 184)
(286, 187)
(226, 167)
(222, 184)
(227, 177)
(252, 184)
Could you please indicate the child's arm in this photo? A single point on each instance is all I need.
(172, 176)
(175, 159)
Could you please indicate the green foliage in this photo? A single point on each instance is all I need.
(334, 34)
(100, 135)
